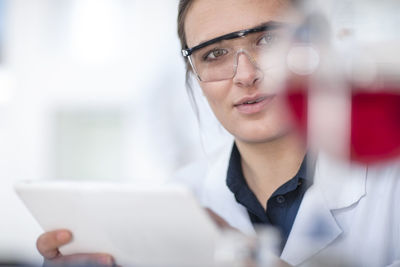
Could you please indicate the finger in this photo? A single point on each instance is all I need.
(76, 260)
(48, 243)
(218, 220)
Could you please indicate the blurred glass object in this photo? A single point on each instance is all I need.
(268, 246)
(236, 249)
(342, 80)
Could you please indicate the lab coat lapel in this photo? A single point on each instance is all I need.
(217, 196)
(314, 229)
(336, 186)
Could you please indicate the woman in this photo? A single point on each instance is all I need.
(263, 178)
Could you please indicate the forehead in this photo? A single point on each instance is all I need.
(207, 19)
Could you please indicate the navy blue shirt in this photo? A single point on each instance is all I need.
(283, 204)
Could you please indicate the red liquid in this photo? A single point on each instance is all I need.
(375, 125)
(297, 96)
(375, 120)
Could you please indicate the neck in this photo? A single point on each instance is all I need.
(266, 166)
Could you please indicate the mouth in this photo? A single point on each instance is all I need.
(255, 104)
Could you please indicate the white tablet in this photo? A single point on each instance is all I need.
(139, 226)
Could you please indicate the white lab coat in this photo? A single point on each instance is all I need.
(350, 213)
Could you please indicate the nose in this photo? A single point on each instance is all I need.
(247, 73)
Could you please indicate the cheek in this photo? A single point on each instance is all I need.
(217, 94)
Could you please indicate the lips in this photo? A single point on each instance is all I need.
(253, 104)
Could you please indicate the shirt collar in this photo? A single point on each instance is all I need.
(236, 182)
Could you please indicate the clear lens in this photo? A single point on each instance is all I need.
(214, 62)
(219, 61)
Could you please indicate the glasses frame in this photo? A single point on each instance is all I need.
(268, 26)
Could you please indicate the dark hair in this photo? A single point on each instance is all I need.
(183, 8)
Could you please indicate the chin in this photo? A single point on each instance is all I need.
(260, 136)
(260, 139)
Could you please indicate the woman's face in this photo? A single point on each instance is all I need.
(229, 99)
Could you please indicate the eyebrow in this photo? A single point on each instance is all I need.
(265, 26)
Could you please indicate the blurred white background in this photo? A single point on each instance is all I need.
(90, 89)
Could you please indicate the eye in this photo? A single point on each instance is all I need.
(268, 39)
(215, 54)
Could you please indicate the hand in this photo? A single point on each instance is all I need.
(48, 244)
